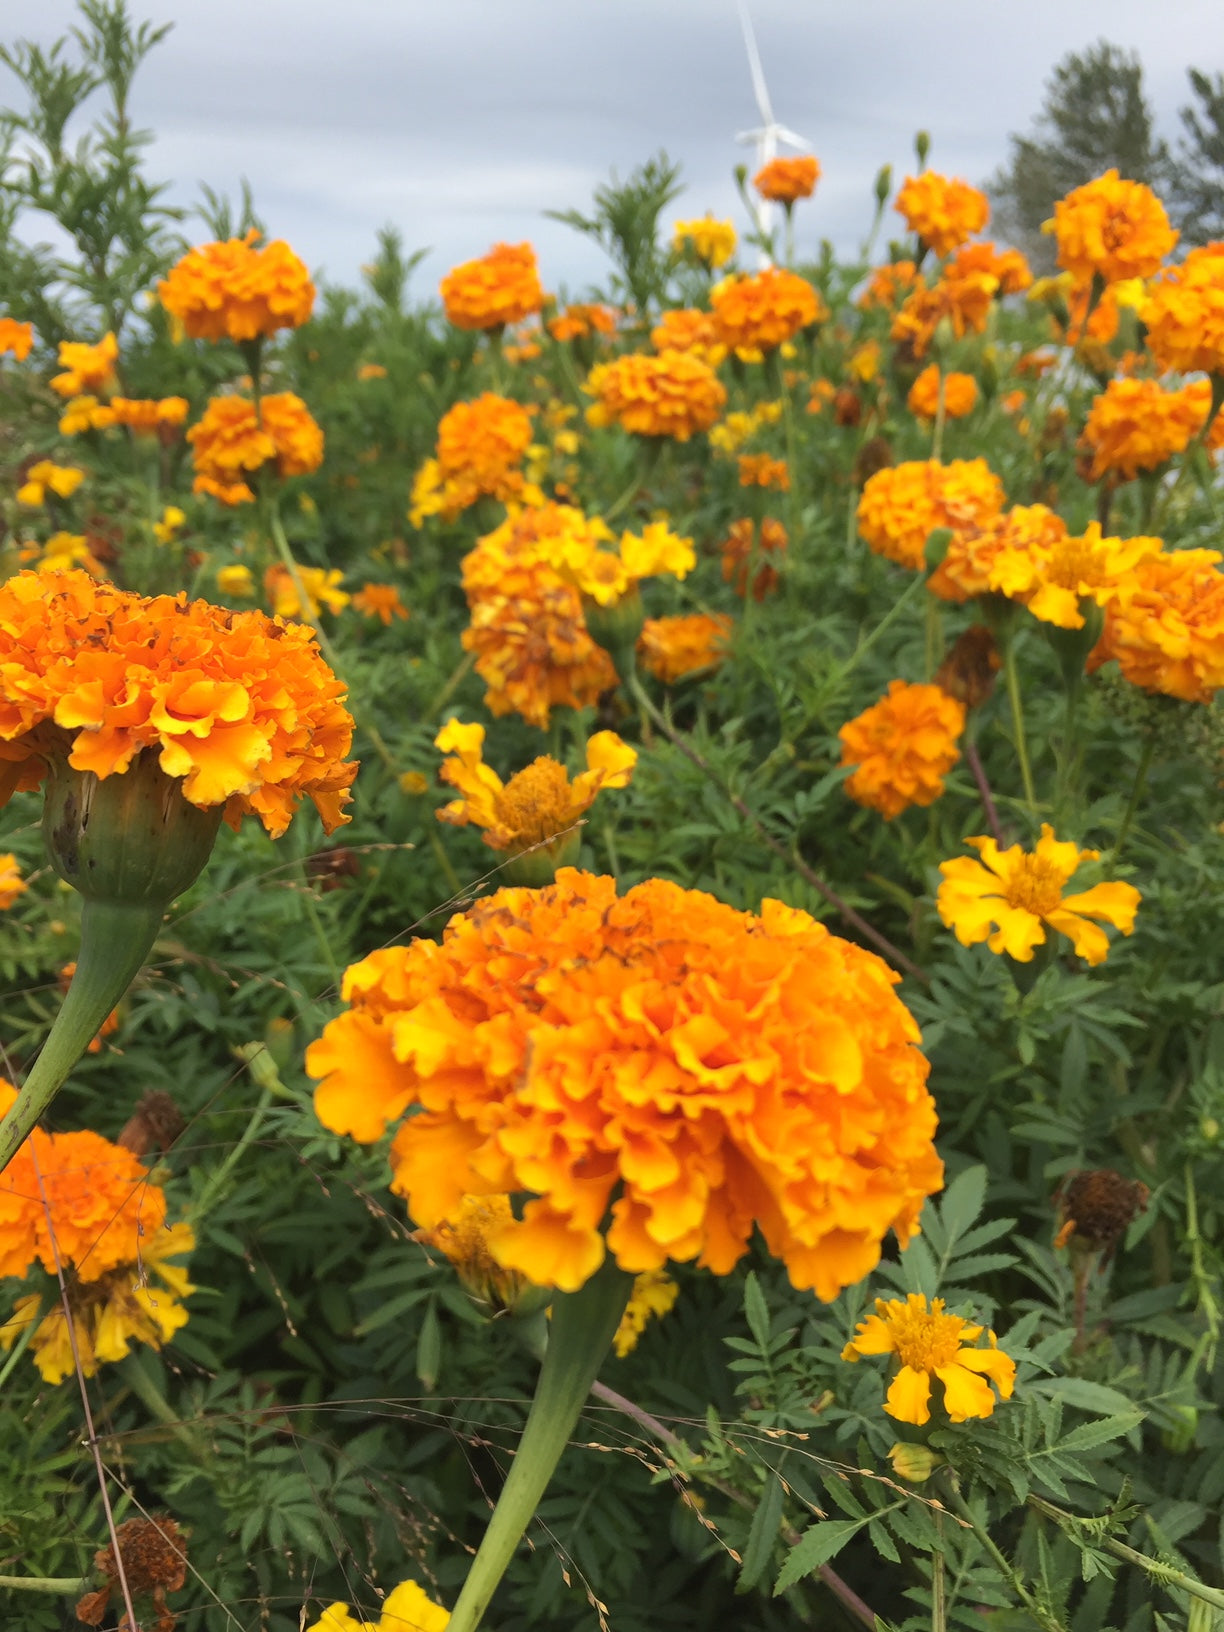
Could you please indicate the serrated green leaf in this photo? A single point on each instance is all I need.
(762, 1535)
(816, 1546)
(756, 1310)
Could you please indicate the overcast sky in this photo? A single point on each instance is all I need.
(462, 121)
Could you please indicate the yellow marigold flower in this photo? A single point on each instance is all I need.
(414, 783)
(46, 476)
(1053, 575)
(738, 426)
(371, 371)
(1184, 313)
(481, 446)
(711, 241)
(927, 1342)
(652, 1296)
(234, 291)
(1137, 425)
(16, 338)
(85, 414)
(406, 1609)
(322, 588)
(146, 416)
(1167, 630)
(901, 505)
(742, 541)
(537, 805)
(672, 394)
(901, 747)
(579, 320)
(960, 394)
(464, 1240)
(760, 470)
(942, 211)
(673, 648)
(864, 361)
(243, 710)
(499, 288)
(749, 1070)
(231, 441)
(86, 368)
(887, 284)
(172, 519)
(379, 601)
(783, 180)
(533, 649)
(1020, 894)
(64, 550)
(11, 882)
(760, 311)
(685, 328)
(1112, 229)
(237, 581)
(138, 1301)
(973, 549)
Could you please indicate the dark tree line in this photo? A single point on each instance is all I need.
(1095, 117)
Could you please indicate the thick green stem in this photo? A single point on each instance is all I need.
(60, 1584)
(1017, 713)
(580, 1335)
(115, 941)
(1136, 793)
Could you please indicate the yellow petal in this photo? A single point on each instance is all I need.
(909, 1397)
(965, 1393)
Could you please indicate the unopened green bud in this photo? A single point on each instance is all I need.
(883, 184)
(922, 146)
(616, 628)
(914, 1463)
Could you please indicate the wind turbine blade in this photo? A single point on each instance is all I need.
(789, 137)
(760, 89)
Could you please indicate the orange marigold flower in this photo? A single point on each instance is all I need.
(683, 328)
(902, 505)
(86, 368)
(480, 446)
(576, 322)
(965, 302)
(691, 1069)
(966, 568)
(1054, 574)
(929, 1343)
(942, 211)
(761, 470)
(739, 547)
(1167, 630)
(673, 394)
(960, 394)
(533, 649)
(902, 746)
(888, 283)
(760, 311)
(1137, 425)
(822, 394)
(539, 805)
(243, 709)
(1184, 313)
(673, 648)
(1009, 268)
(98, 1195)
(1020, 894)
(498, 288)
(371, 371)
(379, 601)
(146, 416)
(711, 241)
(15, 337)
(232, 440)
(783, 181)
(12, 884)
(1112, 229)
(234, 291)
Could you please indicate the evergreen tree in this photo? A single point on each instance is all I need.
(1095, 117)
(1195, 183)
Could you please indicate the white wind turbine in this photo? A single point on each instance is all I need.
(769, 132)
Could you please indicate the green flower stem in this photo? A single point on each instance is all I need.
(1045, 1620)
(1167, 1574)
(47, 1583)
(1017, 713)
(908, 594)
(219, 1178)
(115, 941)
(21, 1344)
(1136, 793)
(580, 1335)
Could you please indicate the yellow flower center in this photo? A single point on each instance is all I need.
(536, 803)
(1035, 885)
(1075, 561)
(925, 1341)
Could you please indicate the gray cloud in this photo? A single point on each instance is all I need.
(462, 122)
